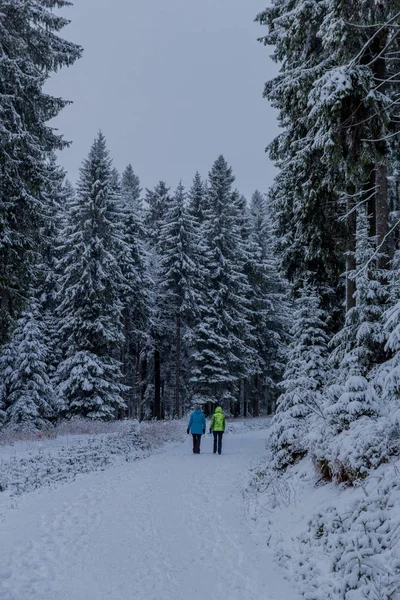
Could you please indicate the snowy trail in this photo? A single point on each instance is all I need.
(170, 527)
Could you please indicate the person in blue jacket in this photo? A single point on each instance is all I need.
(196, 426)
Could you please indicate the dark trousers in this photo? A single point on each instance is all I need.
(218, 438)
(196, 442)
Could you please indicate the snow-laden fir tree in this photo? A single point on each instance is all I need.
(351, 112)
(360, 343)
(389, 373)
(178, 284)
(56, 196)
(30, 402)
(303, 381)
(304, 198)
(7, 361)
(270, 311)
(131, 191)
(135, 291)
(197, 199)
(353, 440)
(157, 202)
(31, 50)
(91, 283)
(223, 333)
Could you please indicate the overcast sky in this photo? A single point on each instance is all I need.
(172, 84)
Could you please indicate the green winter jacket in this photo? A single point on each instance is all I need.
(218, 420)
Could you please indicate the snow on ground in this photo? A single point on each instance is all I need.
(173, 526)
(334, 542)
(81, 446)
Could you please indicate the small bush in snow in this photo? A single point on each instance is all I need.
(354, 553)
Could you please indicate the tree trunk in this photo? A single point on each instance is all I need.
(256, 398)
(350, 259)
(381, 209)
(143, 384)
(382, 214)
(157, 383)
(136, 391)
(177, 408)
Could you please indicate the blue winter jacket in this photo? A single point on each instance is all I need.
(197, 421)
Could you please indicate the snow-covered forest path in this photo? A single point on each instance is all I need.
(170, 527)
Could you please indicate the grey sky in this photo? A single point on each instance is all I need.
(172, 84)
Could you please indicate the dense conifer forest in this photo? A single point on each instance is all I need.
(122, 302)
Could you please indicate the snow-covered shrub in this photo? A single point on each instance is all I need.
(352, 438)
(46, 462)
(354, 553)
(321, 432)
(3, 481)
(354, 451)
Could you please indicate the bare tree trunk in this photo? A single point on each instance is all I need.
(157, 383)
(143, 384)
(351, 247)
(136, 391)
(244, 400)
(178, 367)
(382, 214)
(256, 398)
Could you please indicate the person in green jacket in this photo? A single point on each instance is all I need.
(217, 426)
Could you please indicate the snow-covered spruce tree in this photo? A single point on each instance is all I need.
(31, 51)
(131, 191)
(353, 440)
(135, 292)
(269, 311)
(223, 354)
(7, 362)
(91, 282)
(154, 374)
(360, 344)
(388, 375)
(303, 381)
(351, 111)
(157, 201)
(197, 199)
(304, 198)
(56, 196)
(178, 299)
(30, 402)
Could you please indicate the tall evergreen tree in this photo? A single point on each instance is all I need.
(56, 196)
(269, 314)
(197, 199)
(31, 51)
(303, 381)
(157, 201)
(360, 344)
(179, 273)
(390, 370)
(91, 283)
(223, 333)
(7, 364)
(135, 295)
(131, 191)
(30, 404)
(305, 196)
